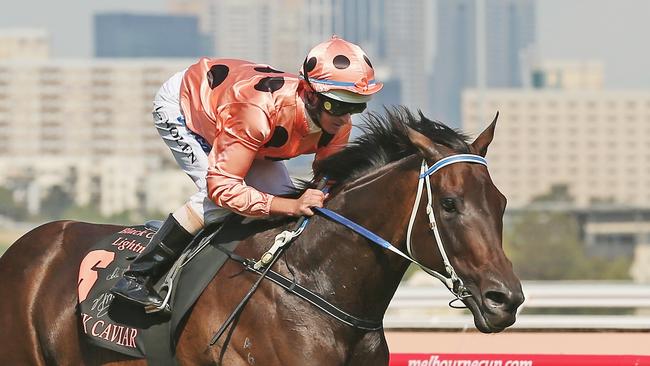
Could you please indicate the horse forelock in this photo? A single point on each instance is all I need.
(384, 140)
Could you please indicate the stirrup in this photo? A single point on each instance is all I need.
(168, 285)
(164, 306)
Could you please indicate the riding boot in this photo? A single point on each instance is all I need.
(136, 285)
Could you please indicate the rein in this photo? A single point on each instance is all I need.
(451, 280)
(281, 243)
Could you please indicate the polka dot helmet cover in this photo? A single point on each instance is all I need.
(338, 65)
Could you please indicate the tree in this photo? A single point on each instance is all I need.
(8, 206)
(56, 203)
(546, 245)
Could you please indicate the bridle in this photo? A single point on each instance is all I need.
(451, 279)
(453, 282)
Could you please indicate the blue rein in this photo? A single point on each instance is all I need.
(353, 226)
(336, 217)
(453, 282)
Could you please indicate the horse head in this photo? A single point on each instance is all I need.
(468, 211)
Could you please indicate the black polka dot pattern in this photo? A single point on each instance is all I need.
(325, 139)
(367, 60)
(267, 69)
(311, 64)
(280, 137)
(341, 62)
(217, 75)
(270, 84)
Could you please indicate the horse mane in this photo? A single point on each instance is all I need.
(384, 140)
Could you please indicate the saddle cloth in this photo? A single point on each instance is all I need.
(116, 325)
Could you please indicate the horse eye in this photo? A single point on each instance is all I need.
(448, 204)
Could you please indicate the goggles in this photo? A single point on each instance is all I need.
(338, 108)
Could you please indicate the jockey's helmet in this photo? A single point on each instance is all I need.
(339, 70)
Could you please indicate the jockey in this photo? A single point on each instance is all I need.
(229, 123)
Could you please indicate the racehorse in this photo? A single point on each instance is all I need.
(376, 183)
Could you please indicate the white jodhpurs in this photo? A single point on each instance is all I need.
(191, 153)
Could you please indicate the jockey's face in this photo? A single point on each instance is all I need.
(335, 114)
(331, 123)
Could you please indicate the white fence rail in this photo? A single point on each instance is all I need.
(600, 304)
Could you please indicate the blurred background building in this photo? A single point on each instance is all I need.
(25, 43)
(124, 35)
(81, 128)
(596, 143)
(84, 128)
(480, 43)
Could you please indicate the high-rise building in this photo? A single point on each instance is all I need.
(281, 32)
(567, 75)
(510, 35)
(455, 65)
(242, 29)
(320, 20)
(122, 35)
(18, 43)
(407, 46)
(83, 125)
(364, 23)
(592, 144)
(264, 31)
(286, 30)
(507, 34)
(197, 8)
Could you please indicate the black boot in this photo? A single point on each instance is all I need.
(165, 247)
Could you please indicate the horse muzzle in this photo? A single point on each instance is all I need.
(496, 308)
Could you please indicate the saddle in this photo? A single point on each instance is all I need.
(111, 323)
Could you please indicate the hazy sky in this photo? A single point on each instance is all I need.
(613, 31)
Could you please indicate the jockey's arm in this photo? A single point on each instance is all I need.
(227, 188)
(245, 130)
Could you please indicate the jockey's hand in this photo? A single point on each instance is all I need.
(298, 207)
(311, 198)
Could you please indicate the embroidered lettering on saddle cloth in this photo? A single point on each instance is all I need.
(116, 325)
(99, 271)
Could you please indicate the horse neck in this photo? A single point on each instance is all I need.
(344, 267)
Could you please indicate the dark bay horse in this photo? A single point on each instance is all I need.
(376, 181)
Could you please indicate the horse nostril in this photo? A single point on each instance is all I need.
(496, 299)
(503, 299)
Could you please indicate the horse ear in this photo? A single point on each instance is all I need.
(480, 145)
(428, 149)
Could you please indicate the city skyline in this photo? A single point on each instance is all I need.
(576, 134)
(564, 32)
